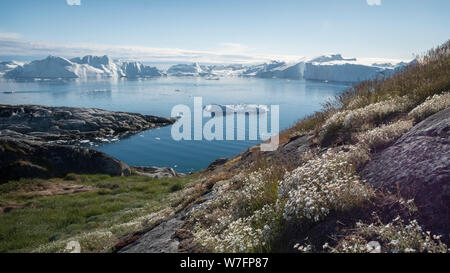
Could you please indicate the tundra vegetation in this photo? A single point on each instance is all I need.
(265, 203)
(267, 209)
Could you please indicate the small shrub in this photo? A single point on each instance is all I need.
(325, 183)
(348, 121)
(247, 234)
(72, 177)
(383, 135)
(245, 214)
(175, 187)
(431, 106)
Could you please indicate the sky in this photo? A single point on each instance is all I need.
(226, 31)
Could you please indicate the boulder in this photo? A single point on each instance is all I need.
(417, 166)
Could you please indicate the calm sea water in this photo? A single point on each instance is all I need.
(157, 97)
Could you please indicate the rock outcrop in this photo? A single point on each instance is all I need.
(36, 159)
(69, 123)
(418, 166)
(160, 239)
(28, 134)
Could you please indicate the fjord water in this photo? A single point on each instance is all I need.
(157, 97)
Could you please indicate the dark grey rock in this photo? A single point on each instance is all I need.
(217, 162)
(31, 159)
(30, 136)
(69, 123)
(418, 166)
(161, 239)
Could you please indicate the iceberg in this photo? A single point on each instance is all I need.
(188, 70)
(343, 72)
(138, 70)
(87, 67)
(8, 66)
(335, 68)
(329, 58)
(231, 70)
(50, 67)
(275, 69)
(332, 67)
(104, 64)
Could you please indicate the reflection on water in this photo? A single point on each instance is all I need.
(158, 96)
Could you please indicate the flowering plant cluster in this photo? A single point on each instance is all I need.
(324, 183)
(245, 234)
(358, 118)
(383, 135)
(394, 237)
(243, 216)
(431, 106)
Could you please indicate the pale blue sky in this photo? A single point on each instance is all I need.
(231, 30)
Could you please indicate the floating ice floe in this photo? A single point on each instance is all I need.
(239, 108)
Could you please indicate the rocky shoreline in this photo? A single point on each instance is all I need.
(45, 123)
(28, 134)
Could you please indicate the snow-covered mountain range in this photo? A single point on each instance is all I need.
(325, 68)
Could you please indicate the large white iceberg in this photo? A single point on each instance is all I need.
(50, 67)
(104, 64)
(346, 72)
(336, 68)
(276, 69)
(138, 70)
(331, 67)
(86, 67)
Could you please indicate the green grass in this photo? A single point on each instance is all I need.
(47, 219)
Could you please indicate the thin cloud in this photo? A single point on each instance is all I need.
(233, 48)
(73, 2)
(226, 54)
(373, 2)
(10, 35)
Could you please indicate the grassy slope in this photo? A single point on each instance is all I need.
(112, 201)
